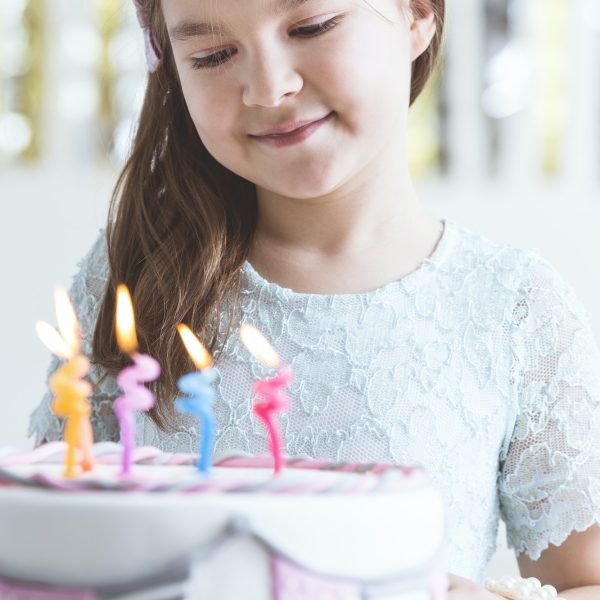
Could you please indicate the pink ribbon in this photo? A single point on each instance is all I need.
(16, 591)
(153, 52)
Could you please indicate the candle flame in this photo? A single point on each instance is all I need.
(200, 355)
(53, 340)
(67, 321)
(258, 346)
(125, 326)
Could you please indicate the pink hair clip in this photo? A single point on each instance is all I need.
(153, 53)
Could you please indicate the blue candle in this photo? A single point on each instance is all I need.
(199, 394)
(198, 400)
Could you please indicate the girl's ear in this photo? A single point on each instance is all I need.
(422, 30)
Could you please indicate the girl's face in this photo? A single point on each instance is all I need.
(274, 63)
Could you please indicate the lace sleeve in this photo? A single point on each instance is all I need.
(86, 293)
(549, 483)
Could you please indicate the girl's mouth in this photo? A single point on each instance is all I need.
(294, 137)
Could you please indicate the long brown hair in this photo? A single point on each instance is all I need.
(180, 226)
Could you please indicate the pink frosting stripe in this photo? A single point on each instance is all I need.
(37, 455)
(378, 478)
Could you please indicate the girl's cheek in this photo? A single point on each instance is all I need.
(203, 102)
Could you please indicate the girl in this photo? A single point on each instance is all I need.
(268, 184)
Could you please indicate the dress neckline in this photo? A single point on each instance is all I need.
(435, 258)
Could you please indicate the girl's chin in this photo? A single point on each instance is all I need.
(299, 193)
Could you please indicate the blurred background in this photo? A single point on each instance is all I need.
(505, 139)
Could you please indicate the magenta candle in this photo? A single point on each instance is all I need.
(272, 400)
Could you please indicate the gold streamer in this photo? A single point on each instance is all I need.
(33, 84)
(109, 15)
(550, 20)
(423, 130)
(29, 86)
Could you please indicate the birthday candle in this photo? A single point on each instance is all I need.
(199, 394)
(130, 379)
(270, 391)
(67, 383)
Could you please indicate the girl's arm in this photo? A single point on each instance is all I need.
(573, 568)
(549, 481)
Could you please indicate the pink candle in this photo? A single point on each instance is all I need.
(131, 379)
(272, 398)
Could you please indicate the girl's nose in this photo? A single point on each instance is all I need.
(268, 80)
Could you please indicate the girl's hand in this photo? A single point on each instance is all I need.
(463, 589)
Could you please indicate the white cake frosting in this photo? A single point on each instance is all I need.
(376, 527)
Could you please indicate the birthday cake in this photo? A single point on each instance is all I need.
(317, 530)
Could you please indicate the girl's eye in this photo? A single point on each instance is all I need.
(221, 57)
(214, 60)
(319, 28)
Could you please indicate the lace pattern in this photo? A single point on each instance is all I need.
(480, 366)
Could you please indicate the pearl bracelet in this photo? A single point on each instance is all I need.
(518, 588)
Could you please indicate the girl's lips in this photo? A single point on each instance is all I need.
(294, 137)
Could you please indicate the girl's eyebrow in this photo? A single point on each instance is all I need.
(185, 30)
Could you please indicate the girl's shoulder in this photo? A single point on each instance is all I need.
(92, 269)
(88, 286)
(476, 251)
(502, 268)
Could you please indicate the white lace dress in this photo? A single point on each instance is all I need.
(480, 366)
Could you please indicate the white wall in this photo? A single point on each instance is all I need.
(50, 217)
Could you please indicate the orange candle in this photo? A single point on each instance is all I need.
(70, 389)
